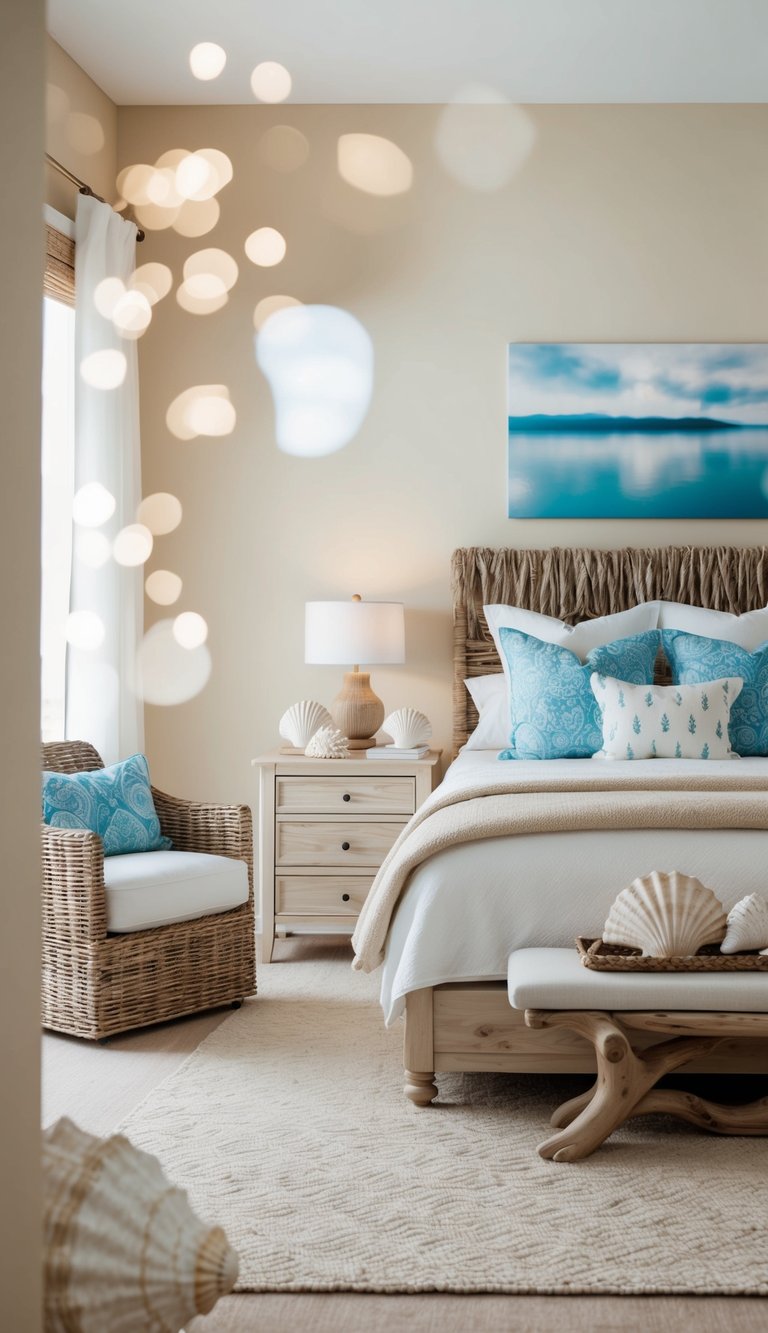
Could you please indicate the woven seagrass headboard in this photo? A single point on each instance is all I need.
(576, 584)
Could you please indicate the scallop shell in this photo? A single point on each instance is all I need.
(666, 914)
(328, 743)
(300, 722)
(407, 727)
(123, 1249)
(747, 925)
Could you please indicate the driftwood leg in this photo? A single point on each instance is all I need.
(623, 1079)
(569, 1110)
(751, 1118)
(418, 1051)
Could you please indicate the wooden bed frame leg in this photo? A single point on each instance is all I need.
(418, 1048)
(420, 1089)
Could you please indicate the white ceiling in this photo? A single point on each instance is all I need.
(425, 50)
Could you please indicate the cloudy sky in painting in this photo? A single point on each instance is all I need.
(728, 381)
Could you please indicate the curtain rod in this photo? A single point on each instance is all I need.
(82, 187)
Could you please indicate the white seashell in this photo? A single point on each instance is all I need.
(666, 914)
(300, 722)
(407, 727)
(328, 743)
(747, 925)
(123, 1249)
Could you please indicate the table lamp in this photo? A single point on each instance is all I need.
(366, 633)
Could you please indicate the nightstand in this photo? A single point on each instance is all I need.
(325, 827)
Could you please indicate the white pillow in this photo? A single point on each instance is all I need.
(489, 695)
(748, 631)
(580, 638)
(665, 721)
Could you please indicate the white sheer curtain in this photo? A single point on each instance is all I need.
(101, 705)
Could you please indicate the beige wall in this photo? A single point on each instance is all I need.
(22, 83)
(81, 131)
(627, 223)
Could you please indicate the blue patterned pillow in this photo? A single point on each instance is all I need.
(114, 802)
(554, 714)
(695, 659)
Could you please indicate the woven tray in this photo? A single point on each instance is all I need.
(601, 957)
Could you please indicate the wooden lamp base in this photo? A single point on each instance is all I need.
(357, 711)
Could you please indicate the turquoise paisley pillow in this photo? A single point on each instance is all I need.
(114, 802)
(554, 714)
(695, 659)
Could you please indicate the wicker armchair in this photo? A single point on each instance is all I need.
(94, 984)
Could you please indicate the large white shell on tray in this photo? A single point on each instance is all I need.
(666, 914)
(301, 721)
(407, 727)
(124, 1251)
(747, 925)
(328, 743)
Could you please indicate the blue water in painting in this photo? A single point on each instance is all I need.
(627, 474)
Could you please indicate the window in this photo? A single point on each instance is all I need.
(57, 480)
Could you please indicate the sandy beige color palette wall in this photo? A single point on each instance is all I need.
(22, 82)
(626, 223)
(81, 131)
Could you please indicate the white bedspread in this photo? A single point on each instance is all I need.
(467, 908)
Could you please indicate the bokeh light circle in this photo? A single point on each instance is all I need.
(160, 512)
(166, 673)
(105, 369)
(93, 505)
(270, 82)
(132, 545)
(207, 60)
(283, 148)
(85, 630)
(265, 247)
(190, 629)
(163, 587)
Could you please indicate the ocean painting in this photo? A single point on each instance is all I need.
(638, 430)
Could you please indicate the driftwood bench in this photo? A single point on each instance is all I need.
(615, 1012)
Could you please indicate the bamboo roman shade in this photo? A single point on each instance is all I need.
(59, 278)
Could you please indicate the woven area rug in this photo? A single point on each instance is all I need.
(288, 1127)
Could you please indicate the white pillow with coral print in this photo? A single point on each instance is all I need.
(665, 721)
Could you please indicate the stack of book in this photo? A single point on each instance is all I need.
(397, 752)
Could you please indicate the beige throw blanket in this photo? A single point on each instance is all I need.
(467, 812)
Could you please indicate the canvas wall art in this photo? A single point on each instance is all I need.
(638, 430)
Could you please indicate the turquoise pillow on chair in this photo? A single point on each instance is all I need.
(695, 660)
(554, 714)
(114, 802)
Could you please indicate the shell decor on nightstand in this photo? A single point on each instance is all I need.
(301, 721)
(666, 914)
(407, 727)
(328, 743)
(123, 1249)
(747, 926)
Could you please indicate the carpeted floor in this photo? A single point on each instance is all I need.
(288, 1126)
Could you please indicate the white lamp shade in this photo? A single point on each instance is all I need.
(359, 633)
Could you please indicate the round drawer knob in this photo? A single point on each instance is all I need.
(345, 897)
(345, 846)
(346, 796)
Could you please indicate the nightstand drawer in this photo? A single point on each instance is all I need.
(345, 796)
(334, 842)
(331, 895)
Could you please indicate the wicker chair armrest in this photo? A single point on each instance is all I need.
(195, 826)
(74, 901)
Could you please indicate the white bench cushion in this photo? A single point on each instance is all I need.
(149, 889)
(557, 979)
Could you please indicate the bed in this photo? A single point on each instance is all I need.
(463, 910)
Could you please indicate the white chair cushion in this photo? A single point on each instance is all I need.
(557, 979)
(149, 889)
